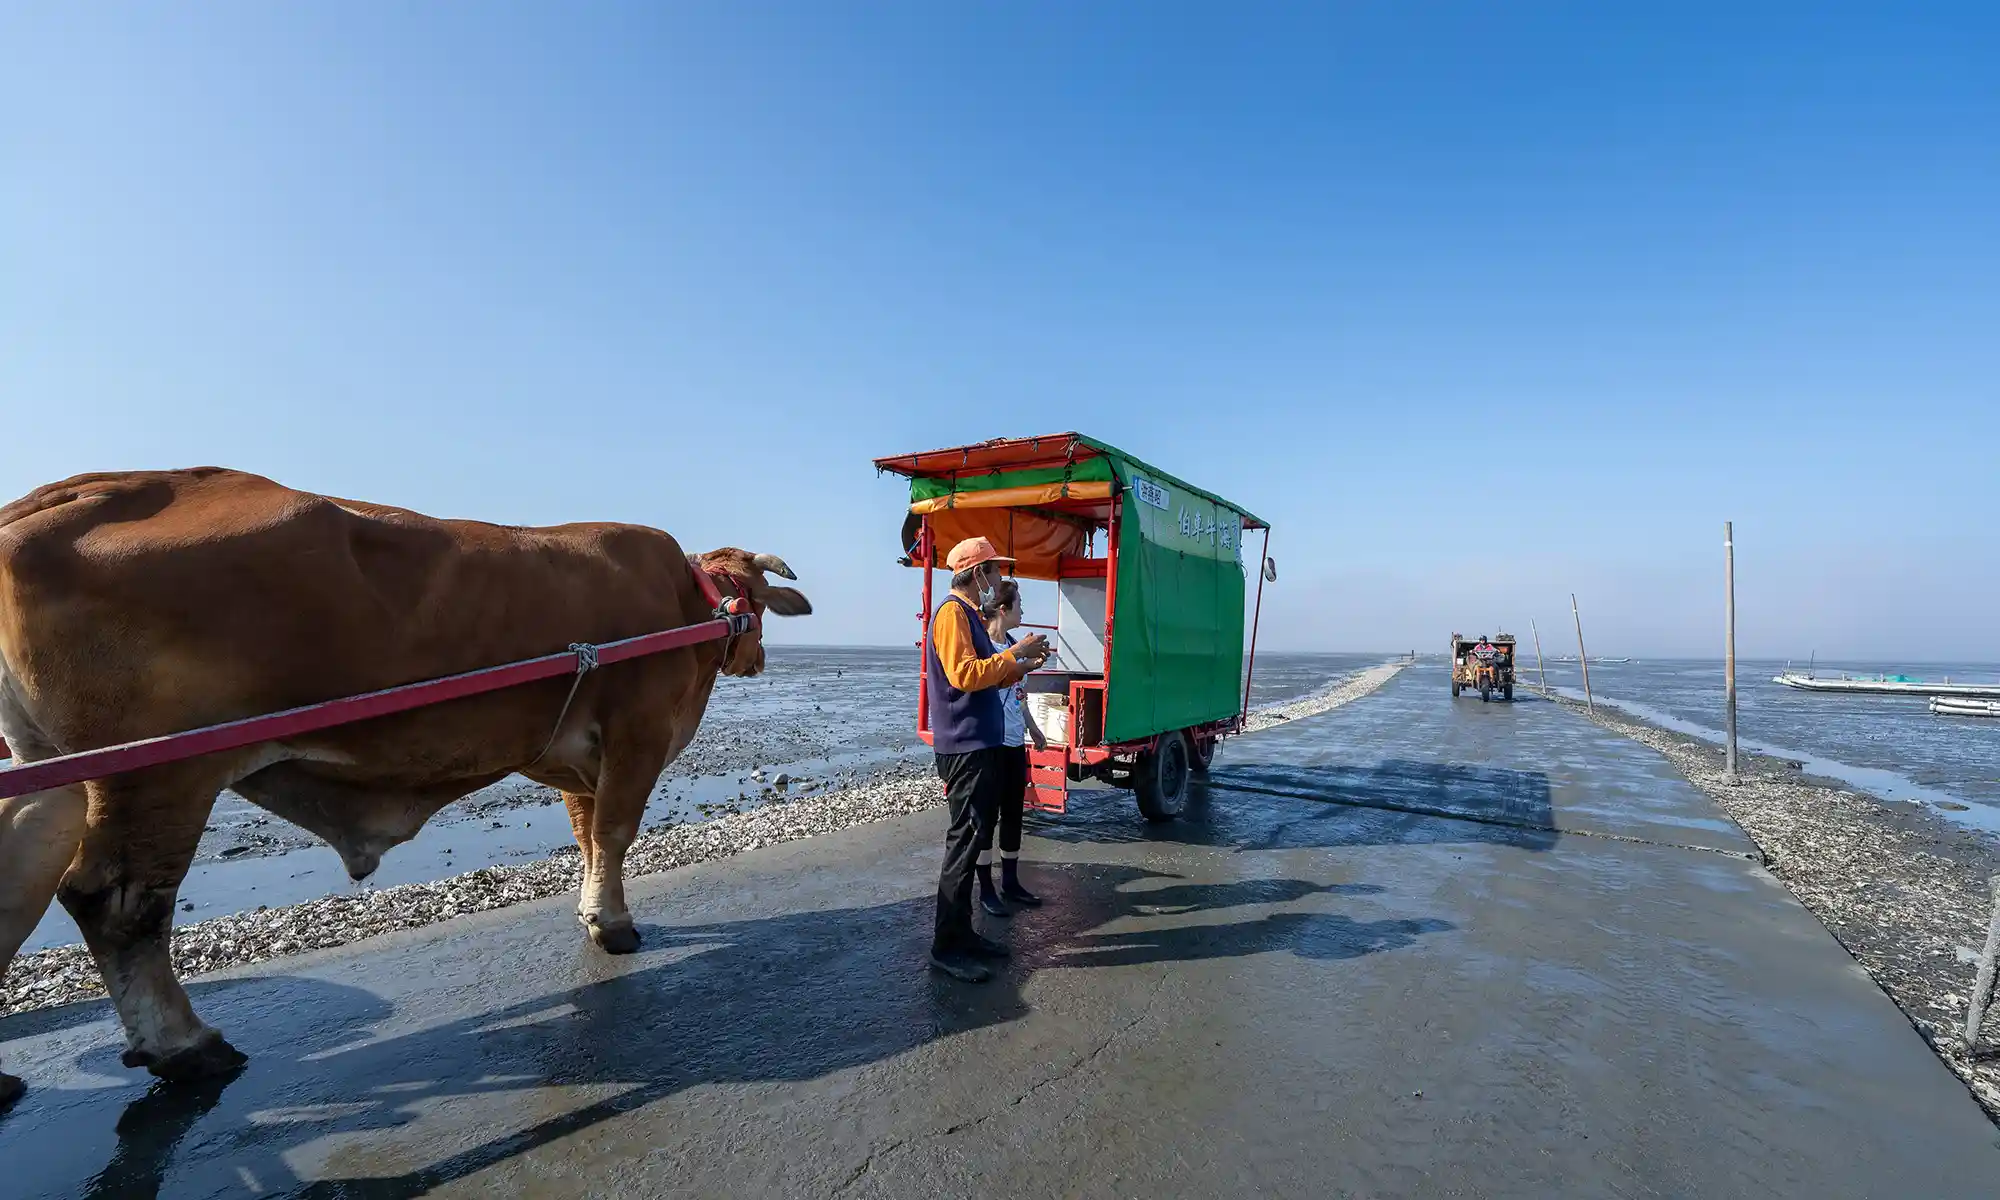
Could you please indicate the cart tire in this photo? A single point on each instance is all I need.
(1201, 753)
(1454, 689)
(1507, 692)
(1161, 778)
(1485, 693)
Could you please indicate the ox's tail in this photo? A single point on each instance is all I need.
(39, 835)
(39, 832)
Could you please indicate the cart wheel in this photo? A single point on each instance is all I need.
(1162, 779)
(1202, 754)
(1485, 693)
(1454, 689)
(1507, 692)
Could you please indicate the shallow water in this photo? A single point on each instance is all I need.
(1891, 746)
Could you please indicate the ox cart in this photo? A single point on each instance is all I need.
(1149, 669)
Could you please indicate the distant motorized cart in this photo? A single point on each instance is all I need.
(1148, 670)
(1484, 665)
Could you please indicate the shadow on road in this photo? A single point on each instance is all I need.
(1309, 935)
(1283, 806)
(784, 998)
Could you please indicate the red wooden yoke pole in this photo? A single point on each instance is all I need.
(232, 735)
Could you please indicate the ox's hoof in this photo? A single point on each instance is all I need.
(11, 1088)
(621, 938)
(208, 1058)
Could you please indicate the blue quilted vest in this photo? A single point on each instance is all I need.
(962, 721)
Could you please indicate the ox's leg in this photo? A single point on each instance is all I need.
(139, 837)
(623, 786)
(582, 809)
(39, 833)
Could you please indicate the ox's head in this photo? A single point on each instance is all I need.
(739, 570)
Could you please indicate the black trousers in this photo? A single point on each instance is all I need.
(1013, 801)
(973, 785)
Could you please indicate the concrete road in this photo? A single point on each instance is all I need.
(1585, 989)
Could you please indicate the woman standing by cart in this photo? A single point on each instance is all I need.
(1003, 616)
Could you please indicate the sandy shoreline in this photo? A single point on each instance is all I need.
(1335, 693)
(66, 974)
(1901, 887)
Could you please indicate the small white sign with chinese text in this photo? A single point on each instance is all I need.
(1151, 493)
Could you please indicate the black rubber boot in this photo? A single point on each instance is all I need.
(1010, 884)
(988, 898)
(985, 947)
(960, 965)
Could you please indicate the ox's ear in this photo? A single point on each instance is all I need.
(773, 565)
(787, 602)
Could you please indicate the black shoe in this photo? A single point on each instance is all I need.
(959, 965)
(1021, 896)
(986, 947)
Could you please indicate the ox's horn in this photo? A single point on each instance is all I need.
(772, 564)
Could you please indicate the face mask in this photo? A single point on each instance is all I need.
(989, 587)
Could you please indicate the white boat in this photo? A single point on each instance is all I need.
(1952, 706)
(1888, 685)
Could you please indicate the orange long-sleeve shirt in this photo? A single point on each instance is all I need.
(951, 634)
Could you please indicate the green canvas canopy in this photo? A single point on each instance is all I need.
(1177, 633)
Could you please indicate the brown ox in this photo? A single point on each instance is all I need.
(139, 604)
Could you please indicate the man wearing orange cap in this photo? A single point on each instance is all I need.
(963, 674)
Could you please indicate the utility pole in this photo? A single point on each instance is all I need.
(1582, 655)
(1538, 655)
(1982, 987)
(1729, 649)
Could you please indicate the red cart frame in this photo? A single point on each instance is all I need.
(1085, 755)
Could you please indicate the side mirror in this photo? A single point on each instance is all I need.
(1270, 570)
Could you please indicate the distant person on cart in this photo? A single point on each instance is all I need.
(1003, 616)
(964, 675)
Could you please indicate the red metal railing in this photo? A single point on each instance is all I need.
(926, 557)
(1111, 542)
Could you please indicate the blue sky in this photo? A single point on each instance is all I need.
(1481, 305)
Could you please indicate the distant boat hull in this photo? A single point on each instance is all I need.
(1946, 706)
(1890, 687)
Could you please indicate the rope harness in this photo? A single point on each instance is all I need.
(736, 610)
(586, 662)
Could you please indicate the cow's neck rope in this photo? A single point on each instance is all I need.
(586, 662)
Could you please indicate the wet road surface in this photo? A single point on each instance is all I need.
(1307, 987)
